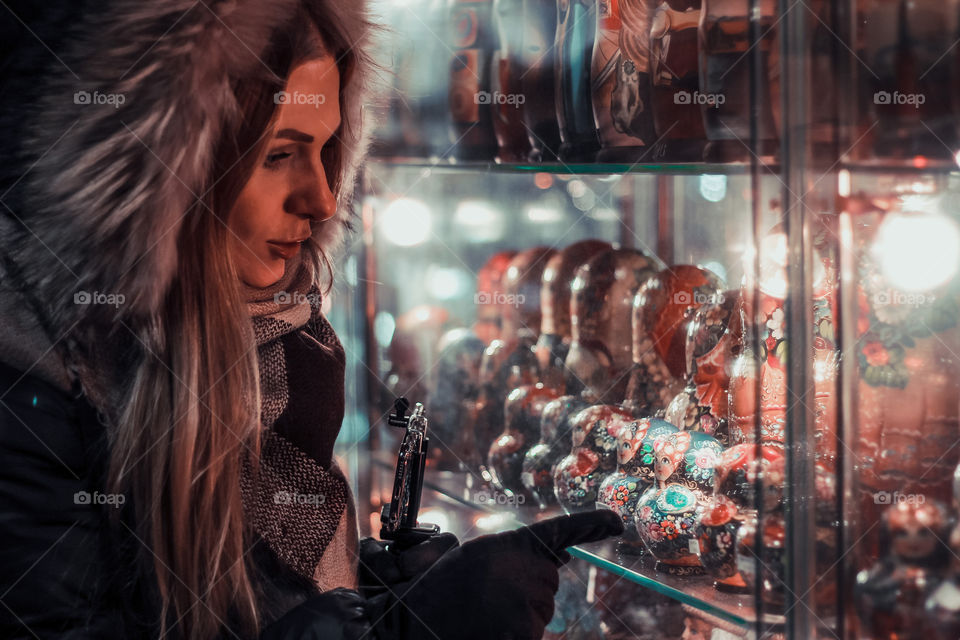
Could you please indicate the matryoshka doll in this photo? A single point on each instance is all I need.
(489, 296)
(668, 514)
(413, 351)
(600, 356)
(555, 442)
(676, 81)
(906, 318)
(662, 310)
(510, 362)
(702, 405)
(536, 81)
(592, 457)
(576, 33)
(522, 412)
(621, 490)
(472, 38)
(734, 500)
(555, 293)
(512, 143)
(724, 47)
(892, 594)
(620, 77)
(453, 398)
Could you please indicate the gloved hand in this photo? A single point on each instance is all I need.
(494, 587)
(380, 567)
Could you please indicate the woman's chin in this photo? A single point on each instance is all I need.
(264, 276)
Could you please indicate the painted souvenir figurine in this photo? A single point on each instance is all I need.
(507, 69)
(723, 42)
(668, 514)
(734, 500)
(510, 361)
(489, 322)
(453, 398)
(537, 80)
(555, 293)
(600, 356)
(908, 389)
(593, 456)
(412, 352)
(576, 33)
(472, 39)
(702, 405)
(620, 78)
(661, 312)
(621, 490)
(891, 596)
(676, 81)
(522, 412)
(555, 442)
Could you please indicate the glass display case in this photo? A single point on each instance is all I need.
(696, 262)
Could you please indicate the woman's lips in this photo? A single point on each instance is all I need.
(285, 250)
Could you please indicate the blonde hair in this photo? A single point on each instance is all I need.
(192, 410)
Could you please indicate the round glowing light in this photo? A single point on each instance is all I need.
(713, 188)
(576, 188)
(406, 222)
(481, 222)
(445, 283)
(543, 214)
(383, 327)
(543, 180)
(917, 251)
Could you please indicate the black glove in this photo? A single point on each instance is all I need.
(494, 587)
(380, 566)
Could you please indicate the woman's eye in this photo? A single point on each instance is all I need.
(273, 158)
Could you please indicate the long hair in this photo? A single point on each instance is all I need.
(191, 414)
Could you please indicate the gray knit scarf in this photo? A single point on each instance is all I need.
(292, 502)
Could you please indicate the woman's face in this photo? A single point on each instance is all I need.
(288, 192)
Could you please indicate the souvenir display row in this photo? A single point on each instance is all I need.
(666, 80)
(596, 375)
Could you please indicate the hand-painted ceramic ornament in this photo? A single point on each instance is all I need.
(662, 310)
(593, 456)
(600, 356)
(702, 405)
(891, 596)
(555, 293)
(687, 458)
(523, 410)
(621, 490)
(452, 406)
(555, 443)
(489, 322)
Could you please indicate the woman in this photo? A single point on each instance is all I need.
(172, 170)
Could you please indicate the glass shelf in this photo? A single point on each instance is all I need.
(697, 592)
(577, 168)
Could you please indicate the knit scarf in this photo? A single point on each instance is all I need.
(293, 503)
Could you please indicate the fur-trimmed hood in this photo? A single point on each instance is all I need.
(110, 112)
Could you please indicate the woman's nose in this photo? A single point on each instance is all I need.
(313, 197)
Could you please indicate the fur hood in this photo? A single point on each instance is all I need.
(94, 187)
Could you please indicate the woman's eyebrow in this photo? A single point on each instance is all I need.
(293, 134)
